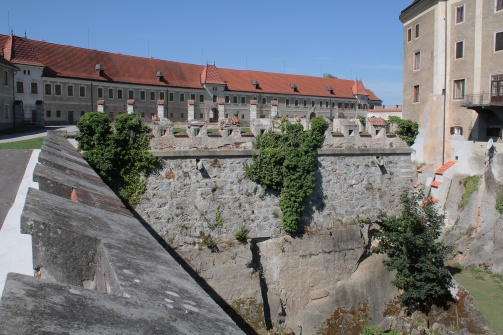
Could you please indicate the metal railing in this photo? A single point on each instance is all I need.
(476, 99)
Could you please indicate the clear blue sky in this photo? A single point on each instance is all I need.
(347, 38)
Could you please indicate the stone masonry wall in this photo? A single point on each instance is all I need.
(276, 281)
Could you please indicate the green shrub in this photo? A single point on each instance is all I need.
(499, 200)
(120, 155)
(219, 218)
(407, 129)
(471, 184)
(287, 163)
(242, 234)
(374, 330)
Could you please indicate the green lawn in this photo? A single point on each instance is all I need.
(35, 143)
(486, 289)
(19, 130)
(245, 129)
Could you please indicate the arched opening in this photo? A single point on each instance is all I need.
(214, 115)
(313, 114)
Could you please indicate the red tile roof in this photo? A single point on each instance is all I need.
(445, 167)
(18, 50)
(377, 121)
(74, 62)
(6, 63)
(210, 75)
(385, 110)
(435, 183)
(358, 88)
(420, 170)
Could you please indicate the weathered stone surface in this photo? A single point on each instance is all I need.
(101, 271)
(35, 306)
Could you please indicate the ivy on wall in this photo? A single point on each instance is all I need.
(286, 163)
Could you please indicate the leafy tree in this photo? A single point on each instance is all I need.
(407, 129)
(328, 75)
(120, 155)
(287, 163)
(410, 242)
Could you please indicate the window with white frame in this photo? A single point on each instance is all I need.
(498, 41)
(152, 95)
(131, 94)
(161, 95)
(305, 103)
(460, 46)
(296, 102)
(201, 97)
(100, 92)
(193, 96)
(287, 102)
(48, 89)
(264, 101)
(499, 5)
(457, 130)
(227, 99)
(171, 97)
(243, 100)
(34, 88)
(69, 90)
(459, 89)
(182, 97)
(142, 95)
(110, 93)
(20, 87)
(57, 89)
(460, 14)
(119, 93)
(417, 30)
(235, 99)
(417, 60)
(409, 34)
(82, 91)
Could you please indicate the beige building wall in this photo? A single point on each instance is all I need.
(6, 97)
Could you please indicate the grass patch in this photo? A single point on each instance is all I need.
(245, 129)
(179, 130)
(212, 130)
(486, 290)
(499, 200)
(471, 184)
(35, 143)
(19, 130)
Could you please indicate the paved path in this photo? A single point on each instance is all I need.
(12, 166)
(35, 134)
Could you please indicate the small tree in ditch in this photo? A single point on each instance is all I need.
(287, 163)
(410, 240)
(120, 155)
(407, 129)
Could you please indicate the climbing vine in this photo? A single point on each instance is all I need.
(407, 129)
(286, 163)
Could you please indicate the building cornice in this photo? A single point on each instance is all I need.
(417, 8)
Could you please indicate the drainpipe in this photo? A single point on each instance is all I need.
(445, 83)
(91, 97)
(14, 95)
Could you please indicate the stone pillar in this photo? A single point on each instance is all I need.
(191, 110)
(130, 106)
(221, 109)
(274, 109)
(161, 110)
(253, 110)
(101, 106)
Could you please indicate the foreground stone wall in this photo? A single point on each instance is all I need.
(277, 281)
(97, 269)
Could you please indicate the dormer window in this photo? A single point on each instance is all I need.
(256, 84)
(99, 68)
(330, 89)
(159, 75)
(294, 87)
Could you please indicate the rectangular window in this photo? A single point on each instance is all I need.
(82, 91)
(460, 14)
(47, 113)
(161, 95)
(417, 30)
(5, 78)
(459, 89)
(142, 95)
(305, 103)
(57, 89)
(321, 104)
(243, 100)
(296, 102)
(326, 104)
(417, 60)
(100, 92)
(201, 97)
(20, 87)
(48, 89)
(264, 101)
(457, 130)
(110, 93)
(312, 103)
(130, 94)
(69, 90)
(192, 96)
(119, 93)
(459, 50)
(58, 113)
(416, 94)
(409, 34)
(34, 88)
(152, 95)
(181, 115)
(171, 97)
(287, 102)
(227, 99)
(498, 41)
(499, 5)
(214, 98)
(82, 113)
(6, 112)
(339, 105)
(234, 99)
(182, 97)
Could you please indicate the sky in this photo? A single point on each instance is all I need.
(355, 39)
